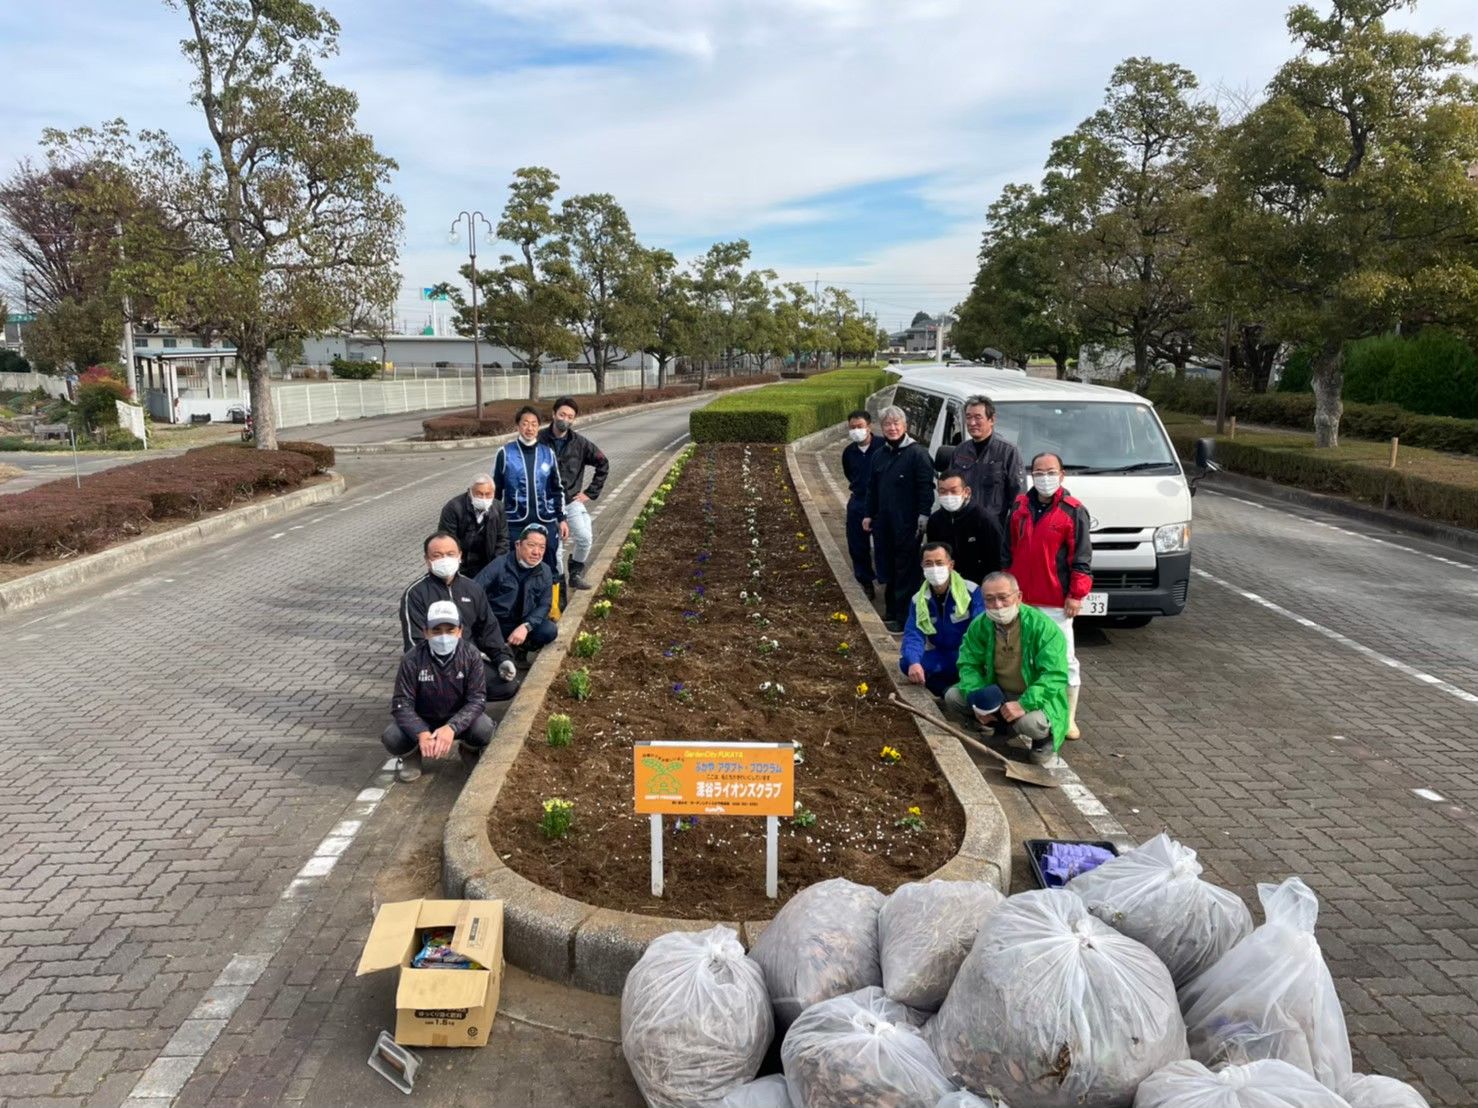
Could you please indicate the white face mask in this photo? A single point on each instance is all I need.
(936, 575)
(1003, 615)
(446, 568)
(951, 503)
(528, 565)
(857, 434)
(442, 645)
(482, 503)
(1046, 484)
(528, 440)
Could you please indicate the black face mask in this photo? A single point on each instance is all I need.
(563, 426)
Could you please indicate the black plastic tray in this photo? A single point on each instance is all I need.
(1036, 851)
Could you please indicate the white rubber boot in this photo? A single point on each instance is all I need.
(1072, 712)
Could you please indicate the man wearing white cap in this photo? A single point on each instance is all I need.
(440, 693)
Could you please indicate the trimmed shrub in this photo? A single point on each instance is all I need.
(322, 456)
(354, 371)
(1318, 471)
(784, 413)
(497, 418)
(63, 523)
(1298, 371)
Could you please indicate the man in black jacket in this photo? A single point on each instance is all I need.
(974, 537)
(445, 581)
(439, 697)
(476, 517)
(857, 468)
(900, 493)
(520, 588)
(991, 465)
(575, 452)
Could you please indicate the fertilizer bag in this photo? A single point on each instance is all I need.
(823, 943)
(1265, 1084)
(1055, 1009)
(1155, 894)
(1371, 1091)
(764, 1092)
(1271, 995)
(695, 1018)
(925, 929)
(859, 1051)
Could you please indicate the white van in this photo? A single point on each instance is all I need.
(1117, 459)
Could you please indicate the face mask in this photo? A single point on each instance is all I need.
(528, 565)
(936, 575)
(562, 425)
(442, 645)
(445, 568)
(1003, 615)
(1046, 484)
(857, 434)
(482, 503)
(528, 440)
(951, 503)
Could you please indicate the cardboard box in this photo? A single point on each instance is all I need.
(440, 1007)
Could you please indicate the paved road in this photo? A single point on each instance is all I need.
(180, 745)
(1288, 733)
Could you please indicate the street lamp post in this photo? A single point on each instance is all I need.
(471, 219)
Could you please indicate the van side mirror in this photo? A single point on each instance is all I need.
(944, 458)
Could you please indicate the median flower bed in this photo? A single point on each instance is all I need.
(727, 624)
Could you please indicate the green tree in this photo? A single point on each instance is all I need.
(1123, 189)
(599, 255)
(1342, 206)
(658, 297)
(724, 293)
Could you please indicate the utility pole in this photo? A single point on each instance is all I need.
(471, 219)
(1226, 377)
(132, 374)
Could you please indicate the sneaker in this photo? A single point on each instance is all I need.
(894, 625)
(408, 769)
(1043, 754)
(577, 576)
(469, 755)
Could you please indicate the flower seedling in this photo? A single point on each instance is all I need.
(682, 693)
(579, 683)
(560, 729)
(844, 648)
(684, 823)
(600, 609)
(767, 646)
(913, 820)
(558, 815)
(803, 817)
(889, 756)
(839, 617)
(772, 690)
(587, 645)
(612, 588)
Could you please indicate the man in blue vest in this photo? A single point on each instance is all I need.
(527, 471)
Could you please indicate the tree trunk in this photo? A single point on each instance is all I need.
(661, 371)
(1329, 383)
(534, 373)
(1141, 363)
(1182, 355)
(1061, 360)
(263, 413)
(598, 371)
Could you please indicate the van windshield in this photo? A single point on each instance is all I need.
(1089, 437)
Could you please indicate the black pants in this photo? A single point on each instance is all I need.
(898, 565)
(859, 542)
(400, 744)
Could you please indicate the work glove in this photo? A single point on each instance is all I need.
(923, 525)
(507, 670)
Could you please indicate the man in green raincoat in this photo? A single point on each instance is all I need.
(1013, 671)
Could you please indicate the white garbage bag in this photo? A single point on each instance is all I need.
(1053, 1008)
(1155, 894)
(1265, 1084)
(1271, 995)
(822, 944)
(859, 1051)
(1366, 1090)
(763, 1092)
(963, 1098)
(925, 929)
(695, 1018)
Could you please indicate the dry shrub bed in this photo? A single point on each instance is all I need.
(685, 648)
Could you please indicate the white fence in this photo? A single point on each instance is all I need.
(25, 382)
(330, 401)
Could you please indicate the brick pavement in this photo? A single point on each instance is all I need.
(178, 744)
(1274, 751)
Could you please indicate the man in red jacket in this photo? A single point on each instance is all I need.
(1051, 555)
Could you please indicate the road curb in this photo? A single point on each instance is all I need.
(492, 442)
(23, 592)
(1456, 537)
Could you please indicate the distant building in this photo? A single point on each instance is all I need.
(928, 334)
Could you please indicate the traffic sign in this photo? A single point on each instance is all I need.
(22, 317)
(432, 294)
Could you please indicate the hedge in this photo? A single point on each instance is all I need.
(1283, 409)
(58, 520)
(321, 455)
(1318, 471)
(784, 413)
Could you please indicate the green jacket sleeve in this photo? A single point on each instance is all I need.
(1048, 652)
(977, 659)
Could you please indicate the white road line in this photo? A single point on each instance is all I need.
(1346, 531)
(1429, 794)
(1079, 795)
(1344, 640)
(633, 474)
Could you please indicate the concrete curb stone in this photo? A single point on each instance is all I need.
(23, 592)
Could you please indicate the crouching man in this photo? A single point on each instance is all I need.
(440, 693)
(941, 613)
(1013, 672)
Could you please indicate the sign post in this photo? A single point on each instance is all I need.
(716, 779)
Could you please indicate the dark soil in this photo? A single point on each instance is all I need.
(662, 632)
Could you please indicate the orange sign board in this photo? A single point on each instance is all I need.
(714, 779)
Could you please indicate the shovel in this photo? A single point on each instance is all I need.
(1015, 771)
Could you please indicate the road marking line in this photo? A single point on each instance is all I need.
(1429, 794)
(1346, 531)
(278, 535)
(1343, 640)
(1079, 795)
(633, 474)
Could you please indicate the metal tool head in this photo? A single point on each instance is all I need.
(394, 1063)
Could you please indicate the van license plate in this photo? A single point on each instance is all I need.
(1095, 604)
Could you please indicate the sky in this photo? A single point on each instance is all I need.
(851, 142)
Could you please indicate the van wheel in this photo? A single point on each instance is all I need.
(1128, 623)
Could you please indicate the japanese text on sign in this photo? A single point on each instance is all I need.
(739, 779)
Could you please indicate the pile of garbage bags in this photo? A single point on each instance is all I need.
(1137, 985)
